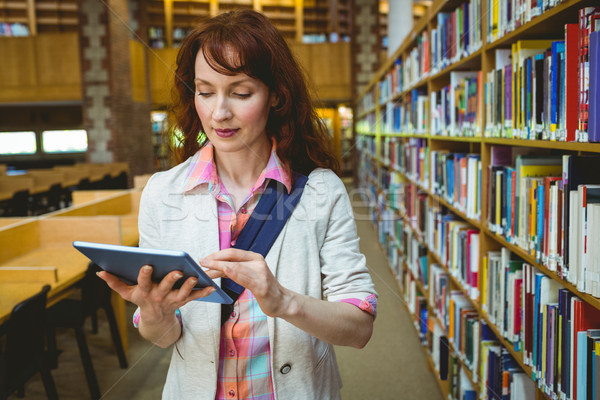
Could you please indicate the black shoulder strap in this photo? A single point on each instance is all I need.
(263, 227)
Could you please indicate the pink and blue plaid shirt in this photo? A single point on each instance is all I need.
(245, 354)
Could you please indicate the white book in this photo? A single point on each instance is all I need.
(522, 387)
(504, 260)
(474, 263)
(593, 275)
(553, 228)
(471, 184)
(574, 232)
(588, 194)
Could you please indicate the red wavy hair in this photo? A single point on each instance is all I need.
(302, 138)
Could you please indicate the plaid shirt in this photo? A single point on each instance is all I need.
(244, 353)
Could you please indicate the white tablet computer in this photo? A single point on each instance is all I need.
(125, 262)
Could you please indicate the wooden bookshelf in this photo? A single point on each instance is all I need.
(548, 25)
(294, 19)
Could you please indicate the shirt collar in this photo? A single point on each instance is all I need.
(203, 170)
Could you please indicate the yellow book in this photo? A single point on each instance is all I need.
(515, 87)
(483, 281)
(451, 320)
(495, 13)
(524, 171)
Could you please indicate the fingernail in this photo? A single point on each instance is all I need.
(193, 282)
(178, 275)
(98, 273)
(212, 289)
(147, 268)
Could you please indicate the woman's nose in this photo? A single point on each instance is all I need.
(222, 112)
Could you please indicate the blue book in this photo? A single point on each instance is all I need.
(450, 177)
(528, 91)
(581, 364)
(540, 222)
(557, 47)
(536, 325)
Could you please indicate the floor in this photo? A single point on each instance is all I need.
(392, 365)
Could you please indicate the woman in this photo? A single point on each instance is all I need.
(239, 85)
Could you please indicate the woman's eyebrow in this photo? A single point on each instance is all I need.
(237, 82)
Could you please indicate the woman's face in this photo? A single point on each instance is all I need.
(233, 109)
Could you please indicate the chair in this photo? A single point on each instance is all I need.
(72, 313)
(24, 352)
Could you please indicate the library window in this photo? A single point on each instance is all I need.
(64, 141)
(17, 143)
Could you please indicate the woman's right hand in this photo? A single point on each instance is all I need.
(157, 301)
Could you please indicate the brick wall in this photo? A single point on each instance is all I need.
(366, 44)
(119, 129)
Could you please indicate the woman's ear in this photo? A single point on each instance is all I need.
(274, 99)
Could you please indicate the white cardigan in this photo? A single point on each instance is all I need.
(316, 254)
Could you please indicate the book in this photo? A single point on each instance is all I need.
(594, 91)
(577, 170)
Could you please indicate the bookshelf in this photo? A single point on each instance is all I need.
(40, 16)
(427, 136)
(309, 20)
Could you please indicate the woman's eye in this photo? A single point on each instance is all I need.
(243, 95)
(204, 94)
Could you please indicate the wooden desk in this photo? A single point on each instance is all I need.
(81, 197)
(139, 181)
(47, 241)
(44, 179)
(9, 185)
(72, 174)
(122, 203)
(5, 221)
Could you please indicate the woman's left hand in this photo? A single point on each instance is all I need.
(250, 270)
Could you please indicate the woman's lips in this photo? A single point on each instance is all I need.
(225, 133)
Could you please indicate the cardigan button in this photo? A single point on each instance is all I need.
(285, 369)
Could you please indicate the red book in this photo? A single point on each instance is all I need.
(472, 270)
(518, 308)
(530, 311)
(571, 86)
(585, 316)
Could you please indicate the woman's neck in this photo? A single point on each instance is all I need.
(240, 170)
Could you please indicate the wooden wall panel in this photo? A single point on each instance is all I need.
(18, 62)
(162, 71)
(329, 67)
(45, 67)
(138, 71)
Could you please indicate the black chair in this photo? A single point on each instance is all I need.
(72, 313)
(25, 353)
(19, 205)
